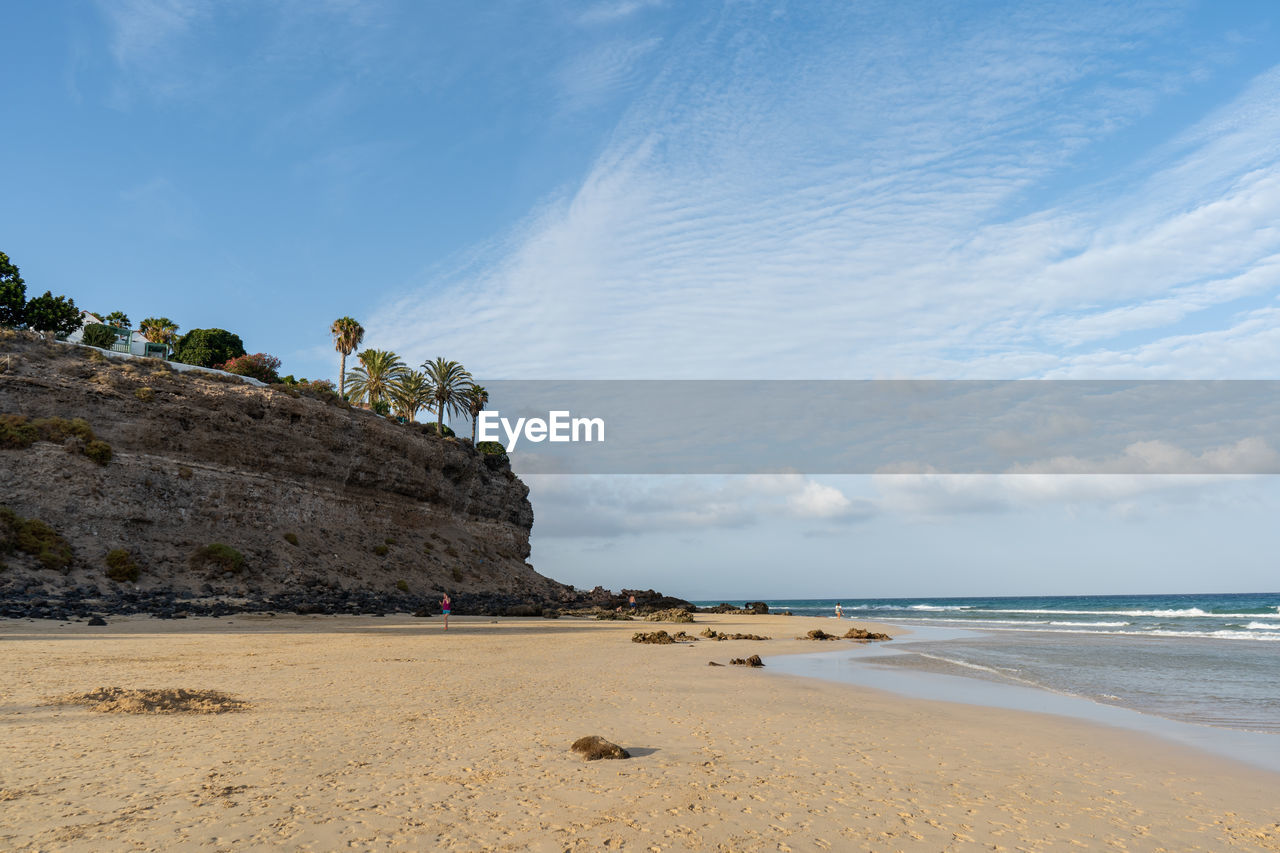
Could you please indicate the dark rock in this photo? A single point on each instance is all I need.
(819, 634)
(720, 635)
(675, 614)
(759, 608)
(661, 638)
(865, 635)
(97, 621)
(713, 663)
(594, 747)
(754, 660)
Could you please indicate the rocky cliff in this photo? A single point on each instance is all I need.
(220, 495)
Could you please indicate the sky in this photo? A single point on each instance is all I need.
(638, 189)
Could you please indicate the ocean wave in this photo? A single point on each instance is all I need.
(1000, 671)
(1269, 634)
(1262, 626)
(935, 607)
(1092, 624)
(1187, 612)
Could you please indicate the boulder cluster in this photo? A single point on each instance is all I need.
(662, 638)
(852, 634)
(721, 635)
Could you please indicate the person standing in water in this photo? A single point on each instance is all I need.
(445, 606)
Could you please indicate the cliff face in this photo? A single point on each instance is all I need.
(321, 501)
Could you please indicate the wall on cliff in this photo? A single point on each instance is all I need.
(315, 495)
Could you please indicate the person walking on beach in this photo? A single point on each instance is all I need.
(445, 606)
(632, 602)
(839, 611)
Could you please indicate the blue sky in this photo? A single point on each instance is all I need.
(632, 189)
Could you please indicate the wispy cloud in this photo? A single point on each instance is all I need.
(603, 71)
(141, 28)
(617, 10)
(881, 201)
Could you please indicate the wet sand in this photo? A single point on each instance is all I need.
(387, 733)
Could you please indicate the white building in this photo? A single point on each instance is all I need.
(127, 340)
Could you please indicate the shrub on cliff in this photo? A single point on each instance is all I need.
(18, 432)
(98, 451)
(491, 448)
(207, 347)
(121, 567)
(99, 335)
(257, 366)
(34, 537)
(217, 558)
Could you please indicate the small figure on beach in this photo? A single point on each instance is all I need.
(445, 606)
(839, 611)
(631, 601)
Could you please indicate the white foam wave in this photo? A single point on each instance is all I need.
(1046, 628)
(1003, 673)
(935, 607)
(1188, 612)
(1093, 624)
(1262, 626)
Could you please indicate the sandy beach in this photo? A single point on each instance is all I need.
(390, 734)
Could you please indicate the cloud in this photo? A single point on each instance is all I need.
(867, 198)
(1151, 469)
(603, 71)
(613, 12)
(612, 506)
(143, 28)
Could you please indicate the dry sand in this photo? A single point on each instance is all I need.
(389, 734)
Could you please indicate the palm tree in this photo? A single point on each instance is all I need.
(410, 392)
(371, 381)
(159, 330)
(475, 399)
(347, 336)
(449, 380)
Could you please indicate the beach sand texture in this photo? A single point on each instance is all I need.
(389, 734)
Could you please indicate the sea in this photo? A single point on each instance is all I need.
(1209, 661)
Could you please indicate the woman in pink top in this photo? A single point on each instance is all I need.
(445, 606)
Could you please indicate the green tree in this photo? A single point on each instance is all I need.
(448, 382)
(370, 382)
(119, 319)
(53, 315)
(159, 330)
(13, 294)
(347, 336)
(207, 347)
(410, 392)
(475, 398)
(99, 335)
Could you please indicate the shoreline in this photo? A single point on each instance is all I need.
(1258, 750)
(389, 731)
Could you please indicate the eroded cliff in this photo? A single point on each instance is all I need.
(322, 502)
